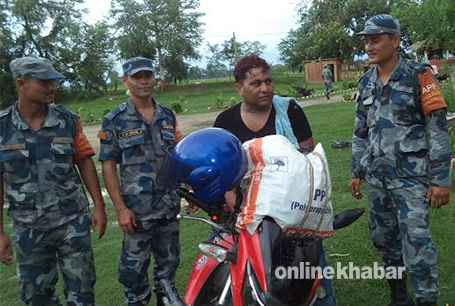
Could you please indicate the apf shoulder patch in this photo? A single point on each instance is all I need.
(431, 95)
(130, 133)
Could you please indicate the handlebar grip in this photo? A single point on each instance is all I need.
(189, 196)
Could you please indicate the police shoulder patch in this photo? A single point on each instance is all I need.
(130, 133)
(102, 135)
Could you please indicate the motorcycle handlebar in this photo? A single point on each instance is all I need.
(189, 196)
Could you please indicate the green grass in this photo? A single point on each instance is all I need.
(449, 96)
(328, 122)
(193, 98)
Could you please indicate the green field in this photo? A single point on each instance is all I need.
(211, 95)
(352, 244)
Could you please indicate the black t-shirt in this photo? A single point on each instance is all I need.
(231, 120)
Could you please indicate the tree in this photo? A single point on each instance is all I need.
(196, 73)
(168, 30)
(232, 50)
(431, 22)
(7, 54)
(33, 27)
(47, 28)
(96, 58)
(327, 30)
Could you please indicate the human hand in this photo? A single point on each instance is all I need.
(231, 199)
(126, 220)
(6, 250)
(354, 186)
(190, 208)
(437, 196)
(99, 219)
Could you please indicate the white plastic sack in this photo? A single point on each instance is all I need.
(292, 188)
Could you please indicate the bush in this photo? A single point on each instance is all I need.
(349, 84)
(177, 107)
(219, 102)
(232, 101)
(292, 92)
(347, 97)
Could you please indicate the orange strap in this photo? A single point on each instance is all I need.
(81, 145)
(430, 93)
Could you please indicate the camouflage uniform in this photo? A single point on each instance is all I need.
(140, 148)
(400, 152)
(48, 207)
(327, 77)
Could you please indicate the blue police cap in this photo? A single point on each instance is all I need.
(136, 64)
(37, 67)
(380, 24)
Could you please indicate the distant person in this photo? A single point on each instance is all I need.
(401, 148)
(40, 145)
(327, 76)
(261, 113)
(136, 135)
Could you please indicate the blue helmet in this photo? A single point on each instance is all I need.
(211, 160)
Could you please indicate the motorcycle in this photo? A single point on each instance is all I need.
(237, 268)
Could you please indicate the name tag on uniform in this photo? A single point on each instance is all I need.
(130, 133)
(16, 146)
(66, 140)
(168, 127)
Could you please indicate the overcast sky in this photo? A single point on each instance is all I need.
(267, 21)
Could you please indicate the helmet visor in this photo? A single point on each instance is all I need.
(173, 171)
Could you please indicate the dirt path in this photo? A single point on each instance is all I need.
(189, 123)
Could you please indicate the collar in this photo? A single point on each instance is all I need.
(398, 70)
(51, 119)
(133, 113)
(394, 76)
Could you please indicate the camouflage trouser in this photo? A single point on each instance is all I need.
(37, 252)
(160, 237)
(328, 87)
(399, 227)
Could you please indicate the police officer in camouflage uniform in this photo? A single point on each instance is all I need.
(40, 145)
(136, 135)
(327, 76)
(401, 148)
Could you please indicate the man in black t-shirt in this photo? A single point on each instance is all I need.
(255, 116)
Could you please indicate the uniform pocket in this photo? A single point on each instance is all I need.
(403, 105)
(16, 166)
(62, 156)
(367, 99)
(133, 150)
(137, 165)
(411, 159)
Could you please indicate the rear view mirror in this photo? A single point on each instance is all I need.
(347, 217)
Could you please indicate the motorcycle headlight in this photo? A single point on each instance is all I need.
(214, 251)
